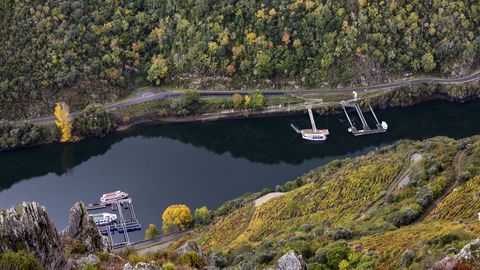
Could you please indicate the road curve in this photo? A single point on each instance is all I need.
(218, 94)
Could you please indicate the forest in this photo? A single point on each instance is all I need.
(89, 51)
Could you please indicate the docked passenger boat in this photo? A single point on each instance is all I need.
(312, 134)
(103, 218)
(113, 196)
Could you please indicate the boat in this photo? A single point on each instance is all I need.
(103, 218)
(113, 196)
(312, 134)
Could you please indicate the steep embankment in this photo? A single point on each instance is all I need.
(362, 211)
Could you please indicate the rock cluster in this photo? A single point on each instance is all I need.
(469, 254)
(290, 261)
(30, 229)
(190, 246)
(81, 227)
(142, 266)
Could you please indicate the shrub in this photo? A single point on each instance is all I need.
(340, 233)
(189, 104)
(301, 247)
(18, 261)
(168, 266)
(94, 121)
(407, 258)
(135, 258)
(336, 255)
(191, 259)
(77, 247)
(202, 216)
(151, 232)
(404, 216)
(103, 256)
(12, 136)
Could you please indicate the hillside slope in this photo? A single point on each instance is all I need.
(390, 209)
(85, 51)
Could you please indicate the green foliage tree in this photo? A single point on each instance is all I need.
(428, 62)
(151, 232)
(189, 104)
(258, 101)
(94, 121)
(202, 216)
(158, 70)
(13, 135)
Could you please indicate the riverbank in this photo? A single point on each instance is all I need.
(327, 104)
(213, 109)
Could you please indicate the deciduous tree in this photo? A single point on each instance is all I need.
(63, 122)
(237, 100)
(176, 217)
(151, 232)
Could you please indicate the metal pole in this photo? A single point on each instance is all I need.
(362, 118)
(122, 222)
(349, 121)
(373, 114)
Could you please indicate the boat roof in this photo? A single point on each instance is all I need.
(317, 131)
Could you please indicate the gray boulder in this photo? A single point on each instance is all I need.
(470, 254)
(81, 227)
(142, 266)
(29, 228)
(90, 259)
(190, 246)
(290, 261)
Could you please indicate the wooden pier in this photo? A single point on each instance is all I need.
(367, 130)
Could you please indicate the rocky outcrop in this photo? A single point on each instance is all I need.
(190, 246)
(142, 266)
(290, 261)
(81, 227)
(470, 254)
(30, 229)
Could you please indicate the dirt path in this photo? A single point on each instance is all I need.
(458, 164)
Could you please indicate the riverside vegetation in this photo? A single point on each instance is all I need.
(410, 205)
(79, 52)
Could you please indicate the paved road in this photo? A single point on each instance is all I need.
(148, 96)
(162, 241)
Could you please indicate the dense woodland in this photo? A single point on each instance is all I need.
(92, 51)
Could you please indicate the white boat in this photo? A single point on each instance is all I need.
(103, 218)
(113, 196)
(312, 134)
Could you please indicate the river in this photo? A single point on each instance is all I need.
(201, 164)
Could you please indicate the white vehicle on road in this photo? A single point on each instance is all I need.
(113, 196)
(103, 218)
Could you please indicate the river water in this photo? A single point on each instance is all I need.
(201, 164)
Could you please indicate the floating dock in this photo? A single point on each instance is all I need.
(367, 130)
(312, 134)
(127, 222)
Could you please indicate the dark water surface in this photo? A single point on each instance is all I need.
(204, 163)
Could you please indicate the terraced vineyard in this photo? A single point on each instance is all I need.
(358, 205)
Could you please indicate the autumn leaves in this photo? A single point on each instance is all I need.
(63, 122)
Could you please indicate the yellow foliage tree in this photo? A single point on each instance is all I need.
(247, 101)
(176, 217)
(63, 122)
